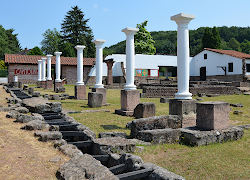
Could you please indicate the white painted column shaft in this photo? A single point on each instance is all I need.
(58, 67)
(80, 64)
(39, 75)
(49, 67)
(182, 20)
(130, 58)
(43, 69)
(99, 61)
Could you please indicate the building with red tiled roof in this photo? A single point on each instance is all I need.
(25, 67)
(227, 65)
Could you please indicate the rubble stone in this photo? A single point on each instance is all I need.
(36, 125)
(112, 134)
(48, 136)
(70, 150)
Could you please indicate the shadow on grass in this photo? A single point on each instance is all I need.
(112, 127)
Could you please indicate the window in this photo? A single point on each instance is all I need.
(205, 56)
(230, 67)
(248, 67)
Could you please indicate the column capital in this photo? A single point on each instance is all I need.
(44, 58)
(58, 53)
(80, 47)
(49, 55)
(182, 18)
(99, 43)
(39, 61)
(130, 31)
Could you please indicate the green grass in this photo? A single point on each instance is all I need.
(229, 160)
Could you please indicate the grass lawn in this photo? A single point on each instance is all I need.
(230, 160)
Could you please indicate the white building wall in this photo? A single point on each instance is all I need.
(213, 63)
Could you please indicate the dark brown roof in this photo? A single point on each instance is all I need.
(32, 59)
(230, 53)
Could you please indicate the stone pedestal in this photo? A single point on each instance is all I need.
(80, 92)
(43, 84)
(49, 84)
(186, 109)
(57, 84)
(129, 100)
(212, 115)
(102, 91)
(144, 110)
(95, 99)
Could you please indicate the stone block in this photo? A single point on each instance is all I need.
(56, 97)
(35, 94)
(30, 90)
(38, 84)
(112, 134)
(25, 87)
(129, 99)
(20, 85)
(80, 92)
(212, 115)
(157, 122)
(112, 145)
(160, 136)
(181, 107)
(144, 110)
(49, 84)
(103, 91)
(60, 89)
(43, 84)
(48, 135)
(164, 100)
(194, 137)
(57, 84)
(94, 99)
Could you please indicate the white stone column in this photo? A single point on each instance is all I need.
(99, 61)
(43, 69)
(182, 20)
(130, 58)
(58, 67)
(79, 49)
(49, 67)
(39, 77)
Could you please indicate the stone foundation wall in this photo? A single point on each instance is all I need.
(229, 78)
(157, 91)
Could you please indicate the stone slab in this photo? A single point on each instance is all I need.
(144, 110)
(57, 84)
(103, 91)
(181, 107)
(194, 137)
(124, 112)
(80, 92)
(129, 99)
(95, 99)
(212, 115)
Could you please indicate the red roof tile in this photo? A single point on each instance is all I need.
(230, 53)
(32, 59)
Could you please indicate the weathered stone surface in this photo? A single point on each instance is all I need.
(60, 89)
(160, 173)
(238, 112)
(70, 150)
(36, 94)
(160, 136)
(54, 128)
(212, 95)
(157, 122)
(38, 116)
(55, 107)
(30, 90)
(80, 92)
(48, 136)
(84, 167)
(212, 115)
(194, 137)
(95, 99)
(144, 110)
(236, 105)
(132, 162)
(56, 97)
(60, 142)
(12, 114)
(89, 135)
(201, 94)
(33, 102)
(112, 134)
(164, 100)
(25, 87)
(112, 145)
(46, 96)
(244, 126)
(181, 107)
(129, 99)
(22, 109)
(103, 91)
(23, 118)
(36, 125)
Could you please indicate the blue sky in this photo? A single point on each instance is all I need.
(30, 18)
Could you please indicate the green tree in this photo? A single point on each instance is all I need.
(216, 40)
(67, 49)
(51, 41)
(211, 38)
(8, 42)
(76, 31)
(144, 43)
(35, 51)
(245, 46)
(234, 44)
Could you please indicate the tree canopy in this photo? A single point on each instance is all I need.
(35, 51)
(144, 43)
(8, 42)
(51, 41)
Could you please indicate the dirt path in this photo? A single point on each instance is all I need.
(22, 156)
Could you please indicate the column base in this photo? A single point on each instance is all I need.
(185, 109)
(49, 84)
(130, 87)
(102, 91)
(185, 95)
(129, 100)
(80, 92)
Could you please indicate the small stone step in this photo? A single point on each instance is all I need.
(118, 169)
(102, 158)
(143, 173)
(81, 144)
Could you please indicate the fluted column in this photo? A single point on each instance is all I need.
(99, 61)
(49, 67)
(130, 58)
(58, 67)
(183, 55)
